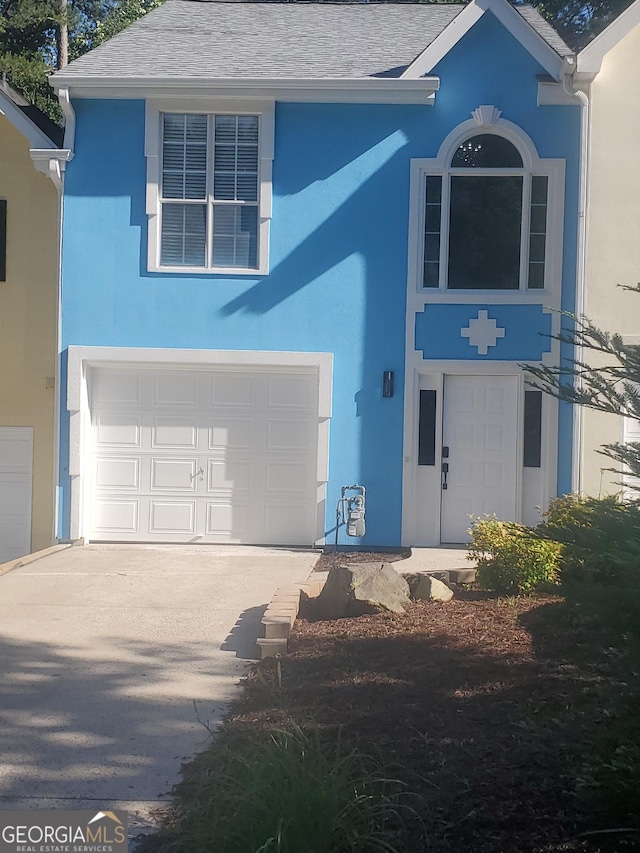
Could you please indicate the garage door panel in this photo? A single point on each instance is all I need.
(176, 389)
(14, 538)
(15, 449)
(15, 494)
(175, 433)
(285, 523)
(292, 392)
(174, 474)
(228, 520)
(231, 476)
(117, 388)
(288, 477)
(172, 517)
(118, 431)
(118, 472)
(233, 389)
(232, 433)
(16, 455)
(117, 516)
(288, 435)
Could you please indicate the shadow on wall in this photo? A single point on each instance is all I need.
(354, 235)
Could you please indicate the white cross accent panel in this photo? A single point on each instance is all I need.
(482, 332)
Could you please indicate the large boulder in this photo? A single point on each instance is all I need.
(362, 588)
(428, 588)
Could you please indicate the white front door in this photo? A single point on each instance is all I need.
(16, 462)
(480, 448)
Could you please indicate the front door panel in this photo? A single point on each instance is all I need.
(480, 429)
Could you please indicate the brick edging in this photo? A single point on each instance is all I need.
(281, 614)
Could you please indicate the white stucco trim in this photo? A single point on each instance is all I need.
(470, 15)
(152, 148)
(357, 90)
(554, 95)
(82, 359)
(485, 119)
(589, 61)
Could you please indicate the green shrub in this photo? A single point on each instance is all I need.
(600, 539)
(511, 558)
(287, 792)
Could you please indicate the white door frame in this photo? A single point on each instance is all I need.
(82, 359)
(436, 370)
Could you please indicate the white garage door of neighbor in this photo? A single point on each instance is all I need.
(16, 461)
(193, 456)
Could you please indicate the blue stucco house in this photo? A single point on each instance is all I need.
(312, 245)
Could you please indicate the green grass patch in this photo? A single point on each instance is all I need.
(287, 791)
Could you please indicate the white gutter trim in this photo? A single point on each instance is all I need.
(62, 82)
(373, 90)
(577, 451)
(365, 90)
(51, 162)
(69, 117)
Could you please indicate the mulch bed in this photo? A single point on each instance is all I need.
(515, 718)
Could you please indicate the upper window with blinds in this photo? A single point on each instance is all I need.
(209, 176)
(209, 196)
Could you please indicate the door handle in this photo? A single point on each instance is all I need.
(445, 471)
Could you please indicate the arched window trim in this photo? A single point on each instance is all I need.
(486, 120)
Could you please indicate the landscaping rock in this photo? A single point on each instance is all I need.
(362, 588)
(429, 588)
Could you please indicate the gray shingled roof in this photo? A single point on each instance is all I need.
(544, 29)
(198, 38)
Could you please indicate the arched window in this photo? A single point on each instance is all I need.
(485, 218)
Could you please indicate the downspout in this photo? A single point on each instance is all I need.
(69, 117)
(68, 143)
(577, 466)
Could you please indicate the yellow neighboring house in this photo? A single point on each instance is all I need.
(609, 71)
(31, 160)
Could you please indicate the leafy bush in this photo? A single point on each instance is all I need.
(287, 792)
(600, 539)
(511, 558)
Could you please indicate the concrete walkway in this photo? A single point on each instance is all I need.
(109, 657)
(436, 559)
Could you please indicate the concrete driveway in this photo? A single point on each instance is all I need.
(109, 654)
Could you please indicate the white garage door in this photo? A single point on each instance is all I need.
(189, 456)
(16, 459)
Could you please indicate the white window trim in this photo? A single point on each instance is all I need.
(486, 120)
(153, 149)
